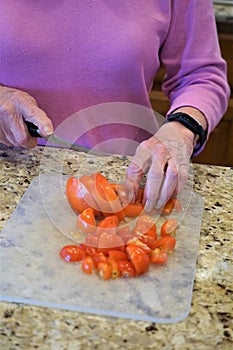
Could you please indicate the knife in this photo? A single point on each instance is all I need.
(34, 132)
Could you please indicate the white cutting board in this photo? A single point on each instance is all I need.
(32, 272)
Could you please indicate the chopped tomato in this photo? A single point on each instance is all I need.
(111, 221)
(139, 243)
(125, 233)
(74, 195)
(92, 240)
(117, 255)
(86, 221)
(158, 256)
(172, 204)
(169, 227)
(88, 250)
(139, 259)
(87, 265)
(98, 258)
(126, 268)
(72, 253)
(114, 267)
(104, 270)
(133, 210)
(166, 244)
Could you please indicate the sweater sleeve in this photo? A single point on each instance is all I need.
(195, 70)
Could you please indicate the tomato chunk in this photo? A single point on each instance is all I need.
(166, 244)
(72, 253)
(86, 221)
(127, 269)
(169, 227)
(87, 265)
(139, 259)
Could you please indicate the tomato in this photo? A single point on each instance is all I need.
(166, 244)
(87, 265)
(86, 221)
(172, 204)
(107, 192)
(133, 210)
(99, 257)
(117, 255)
(169, 227)
(72, 253)
(114, 267)
(111, 222)
(158, 256)
(104, 270)
(74, 195)
(92, 240)
(88, 250)
(109, 241)
(139, 243)
(139, 259)
(126, 268)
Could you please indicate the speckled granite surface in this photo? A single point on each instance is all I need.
(209, 325)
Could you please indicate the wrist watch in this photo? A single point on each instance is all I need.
(192, 125)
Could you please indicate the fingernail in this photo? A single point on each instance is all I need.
(47, 130)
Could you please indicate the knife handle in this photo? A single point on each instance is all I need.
(33, 129)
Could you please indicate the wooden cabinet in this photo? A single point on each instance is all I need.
(219, 148)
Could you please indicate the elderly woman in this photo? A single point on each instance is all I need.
(60, 57)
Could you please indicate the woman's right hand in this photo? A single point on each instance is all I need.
(15, 107)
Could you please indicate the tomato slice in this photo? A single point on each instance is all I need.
(172, 204)
(126, 268)
(166, 244)
(114, 267)
(72, 253)
(86, 221)
(117, 255)
(133, 210)
(107, 192)
(87, 265)
(158, 256)
(169, 227)
(98, 258)
(110, 222)
(74, 195)
(139, 259)
(139, 243)
(105, 270)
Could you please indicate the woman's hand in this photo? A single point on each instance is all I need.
(15, 107)
(165, 157)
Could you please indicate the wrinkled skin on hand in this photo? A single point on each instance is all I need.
(15, 107)
(165, 158)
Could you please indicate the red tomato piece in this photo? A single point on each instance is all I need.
(139, 259)
(133, 210)
(88, 250)
(117, 255)
(126, 268)
(92, 240)
(110, 222)
(86, 221)
(74, 190)
(114, 267)
(158, 256)
(125, 233)
(87, 265)
(105, 270)
(72, 253)
(98, 258)
(166, 244)
(172, 204)
(169, 227)
(139, 243)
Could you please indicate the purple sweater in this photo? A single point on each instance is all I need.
(74, 54)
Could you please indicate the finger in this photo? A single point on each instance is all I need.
(155, 177)
(169, 184)
(182, 178)
(31, 112)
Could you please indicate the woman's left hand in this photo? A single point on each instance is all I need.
(165, 158)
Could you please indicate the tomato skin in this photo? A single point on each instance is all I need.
(138, 242)
(114, 267)
(117, 255)
(87, 265)
(72, 253)
(166, 244)
(139, 259)
(126, 268)
(169, 227)
(86, 221)
(98, 258)
(74, 195)
(110, 222)
(158, 256)
(104, 271)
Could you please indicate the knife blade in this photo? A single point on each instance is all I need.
(34, 132)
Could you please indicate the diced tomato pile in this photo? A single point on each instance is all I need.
(112, 247)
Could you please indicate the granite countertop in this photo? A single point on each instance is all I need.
(209, 324)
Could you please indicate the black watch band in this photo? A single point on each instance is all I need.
(192, 125)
